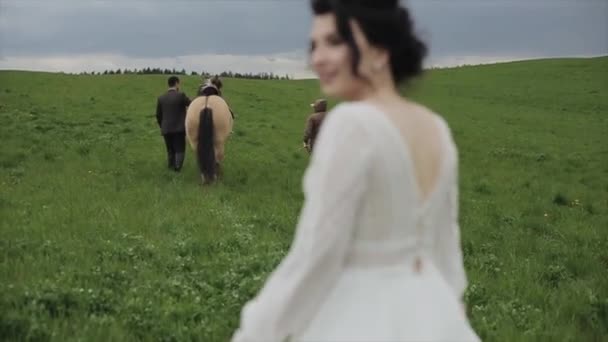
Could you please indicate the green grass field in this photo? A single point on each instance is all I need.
(100, 242)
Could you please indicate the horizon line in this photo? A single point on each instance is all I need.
(291, 76)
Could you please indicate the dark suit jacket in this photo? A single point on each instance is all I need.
(171, 112)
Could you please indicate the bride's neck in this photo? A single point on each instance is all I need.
(381, 92)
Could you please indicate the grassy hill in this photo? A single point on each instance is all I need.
(101, 242)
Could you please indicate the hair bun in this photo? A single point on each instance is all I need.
(367, 4)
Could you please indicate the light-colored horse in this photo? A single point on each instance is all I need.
(208, 126)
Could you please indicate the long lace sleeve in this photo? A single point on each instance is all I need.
(334, 184)
(448, 252)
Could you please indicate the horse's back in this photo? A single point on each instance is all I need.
(222, 118)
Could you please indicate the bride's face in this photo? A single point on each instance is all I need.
(331, 59)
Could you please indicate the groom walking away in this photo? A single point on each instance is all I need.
(171, 117)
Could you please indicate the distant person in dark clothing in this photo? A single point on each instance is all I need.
(313, 124)
(171, 117)
(212, 86)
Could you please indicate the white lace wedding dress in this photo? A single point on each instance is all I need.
(371, 260)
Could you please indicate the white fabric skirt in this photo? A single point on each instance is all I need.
(392, 303)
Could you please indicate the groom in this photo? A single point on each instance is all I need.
(171, 117)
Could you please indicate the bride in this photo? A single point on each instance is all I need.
(376, 254)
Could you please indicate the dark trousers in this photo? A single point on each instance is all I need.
(176, 147)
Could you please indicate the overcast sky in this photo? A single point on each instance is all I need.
(272, 35)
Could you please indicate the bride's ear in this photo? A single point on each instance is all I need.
(374, 59)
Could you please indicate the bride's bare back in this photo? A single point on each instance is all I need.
(421, 135)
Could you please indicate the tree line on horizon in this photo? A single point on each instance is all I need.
(160, 71)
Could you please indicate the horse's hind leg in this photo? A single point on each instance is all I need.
(219, 157)
(207, 181)
(220, 171)
(219, 153)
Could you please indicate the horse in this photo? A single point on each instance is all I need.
(208, 125)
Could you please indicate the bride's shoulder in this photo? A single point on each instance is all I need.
(347, 115)
(438, 118)
(354, 109)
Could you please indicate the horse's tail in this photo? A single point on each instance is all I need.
(205, 148)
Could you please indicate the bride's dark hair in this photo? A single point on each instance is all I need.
(385, 24)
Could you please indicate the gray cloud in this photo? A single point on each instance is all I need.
(456, 30)
(153, 28)
(514, 27)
